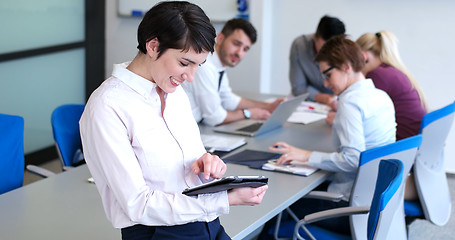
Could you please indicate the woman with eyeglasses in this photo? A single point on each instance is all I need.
(365, 119)
(384, 66)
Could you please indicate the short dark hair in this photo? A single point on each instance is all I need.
(240, 23)
(339, 50)
(329, 27)
(177, 25)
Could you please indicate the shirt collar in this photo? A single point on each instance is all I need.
(139, 84)
(215, 59)
(367, 83)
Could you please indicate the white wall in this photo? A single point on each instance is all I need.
(425, 30)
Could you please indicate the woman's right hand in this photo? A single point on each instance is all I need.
(290, 153)
(246, 196)
(210, 165)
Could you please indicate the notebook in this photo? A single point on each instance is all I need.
(293, 168)
(250, 127)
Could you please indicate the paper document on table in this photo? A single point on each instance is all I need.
(314, 107)
(270, 100)
(305, 117)
(293, 167)
(309, 112)
(222, 142)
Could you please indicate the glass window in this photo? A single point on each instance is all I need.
(33, 87)
(27, 24)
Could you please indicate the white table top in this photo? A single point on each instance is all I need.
(66, 206)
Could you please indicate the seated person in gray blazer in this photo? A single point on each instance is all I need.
(304, 73)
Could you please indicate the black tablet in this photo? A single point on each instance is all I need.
(227, 183)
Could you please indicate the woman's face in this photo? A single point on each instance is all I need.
(174, 67)
(334, 77)
(370, 61)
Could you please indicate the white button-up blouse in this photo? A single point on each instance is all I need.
(140, 159)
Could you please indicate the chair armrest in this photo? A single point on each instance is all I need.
(318, 216)
(335, 197)
(40, 171)
(67, 168)
(332, 213)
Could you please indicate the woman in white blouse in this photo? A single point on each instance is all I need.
(141, 142)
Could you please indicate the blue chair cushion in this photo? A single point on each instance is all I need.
(287, 231)
(413, 208)
(12, 152)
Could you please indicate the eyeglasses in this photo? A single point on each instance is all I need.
(326, 76)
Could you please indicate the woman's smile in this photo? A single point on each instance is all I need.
(174, 81)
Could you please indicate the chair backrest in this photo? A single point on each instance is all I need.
(429, 173)
(12, 152)
(362, 192)
(65, 128)
(386, 199)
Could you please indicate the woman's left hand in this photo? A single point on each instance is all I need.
(330, 117)
(210, 165)
(246, 195)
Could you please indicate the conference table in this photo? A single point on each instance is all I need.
(284, 189)
(67, 206)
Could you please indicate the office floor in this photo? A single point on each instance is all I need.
(419, 229)
(54, 166)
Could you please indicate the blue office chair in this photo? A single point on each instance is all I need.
(431, 181)
(384, 208)
(12, 152)
(362, 192)
(65, 129)
(386, 200)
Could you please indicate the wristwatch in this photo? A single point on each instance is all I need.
(246, 113)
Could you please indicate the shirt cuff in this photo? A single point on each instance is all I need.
(312, 96)
(233, 102)
(217, 203)
(316, 158)
(216, 117)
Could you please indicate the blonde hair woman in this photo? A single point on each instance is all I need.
(384, 66)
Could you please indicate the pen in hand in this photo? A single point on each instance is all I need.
(274, 162)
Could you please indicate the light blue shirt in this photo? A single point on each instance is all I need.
(365, 119)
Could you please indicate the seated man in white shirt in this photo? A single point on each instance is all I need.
(212, 100)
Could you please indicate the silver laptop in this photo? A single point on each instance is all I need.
(250, 127)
